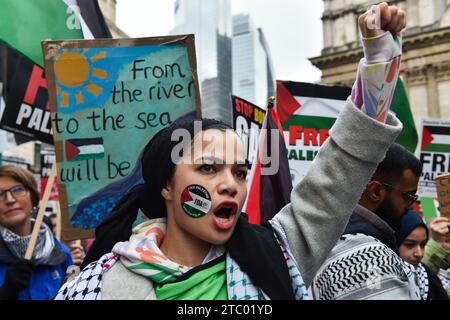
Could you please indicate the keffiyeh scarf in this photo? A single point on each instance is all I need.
(18, 245)
(422, 280)
(142, 255)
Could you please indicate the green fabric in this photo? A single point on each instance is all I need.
(436, 256)
(429, 209)
(24, 23)
(207, 284)
(400, 106)
(160, 273)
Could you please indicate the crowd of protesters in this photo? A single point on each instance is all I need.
(349, 231)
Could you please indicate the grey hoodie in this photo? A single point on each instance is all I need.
(322, 203)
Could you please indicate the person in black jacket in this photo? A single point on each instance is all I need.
(411, 240)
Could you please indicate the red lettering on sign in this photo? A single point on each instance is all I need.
(323, 134)
(310, 137)
(295, 132)
(36, 81)
(244, 108)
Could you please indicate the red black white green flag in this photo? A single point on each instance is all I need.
(436, 138)
(82, 149)
(270, 183)
(307, 112)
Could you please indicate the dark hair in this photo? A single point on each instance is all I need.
(157, 170)
(396, 161)
(24, 177)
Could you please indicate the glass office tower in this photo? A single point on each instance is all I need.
(210, 21)
(253, 76)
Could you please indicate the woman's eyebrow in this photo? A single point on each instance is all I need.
(209, 159)
(216, 160)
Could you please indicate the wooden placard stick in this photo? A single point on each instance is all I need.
(40, 215)
(58, 221)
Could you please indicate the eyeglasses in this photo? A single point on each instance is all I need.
(16, 192)
(408, 197)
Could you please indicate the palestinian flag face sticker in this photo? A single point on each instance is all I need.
(195, 201)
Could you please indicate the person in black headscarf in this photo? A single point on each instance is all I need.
(197, 243)
(411, 240)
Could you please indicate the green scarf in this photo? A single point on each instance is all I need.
(207, 284)
(141, 254)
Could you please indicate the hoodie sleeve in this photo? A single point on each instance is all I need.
(377, 75)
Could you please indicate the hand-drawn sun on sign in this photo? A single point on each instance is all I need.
(75, 75)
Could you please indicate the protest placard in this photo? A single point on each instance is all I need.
(307, 112)
(443, 194)
(247, 121)
(108, 98)
(47, 160)
(434, 153)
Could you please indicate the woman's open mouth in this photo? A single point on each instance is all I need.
(224, 215)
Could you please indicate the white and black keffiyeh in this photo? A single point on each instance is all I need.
(18, 245)
(422, 279)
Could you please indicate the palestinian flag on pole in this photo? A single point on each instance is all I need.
(402, 109)
(436, 139)
(270, 183)
(307, 112)
(23, 24)
(82, 149)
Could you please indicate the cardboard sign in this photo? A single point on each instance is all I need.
(108, 98)
(443, 193)
(247, 121)
(47, 160)
(434, 154)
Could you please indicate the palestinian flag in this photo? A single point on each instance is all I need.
(436, 139)
(307, 112)
(195, 201)
(81, 149)
(270, 183)
(402, 109)
(23, 24)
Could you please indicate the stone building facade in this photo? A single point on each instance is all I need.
(425, 65)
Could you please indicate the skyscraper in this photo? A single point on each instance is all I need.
(210, 21)
(253, 75)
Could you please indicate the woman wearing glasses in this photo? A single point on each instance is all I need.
(40, 278)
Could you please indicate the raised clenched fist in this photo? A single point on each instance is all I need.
(381, 18)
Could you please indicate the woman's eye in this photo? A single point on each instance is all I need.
(206, 168)
(242, 174)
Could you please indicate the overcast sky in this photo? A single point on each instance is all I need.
(292, 27)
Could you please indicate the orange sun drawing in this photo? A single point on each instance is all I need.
(74, 73)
